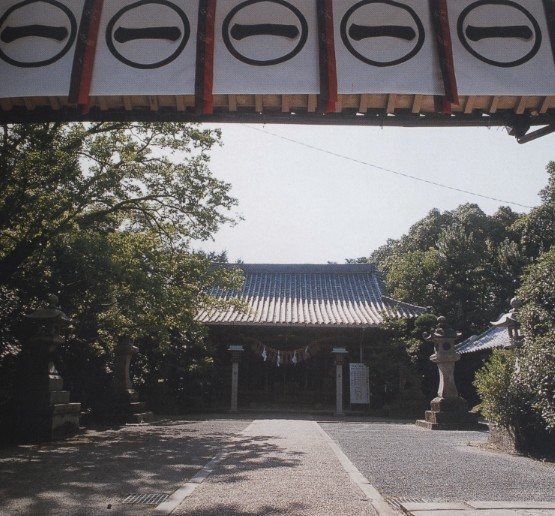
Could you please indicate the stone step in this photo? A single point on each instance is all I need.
(137, 406)
(140, 417)
(57, 397)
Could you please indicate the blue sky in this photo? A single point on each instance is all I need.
(312, 194)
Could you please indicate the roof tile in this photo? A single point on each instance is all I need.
(309, 295)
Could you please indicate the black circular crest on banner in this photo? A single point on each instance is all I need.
(415, 33)
(269, 29)
(502, 33)
(68, 35)
(183, 38)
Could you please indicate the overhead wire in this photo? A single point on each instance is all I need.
(384, 169)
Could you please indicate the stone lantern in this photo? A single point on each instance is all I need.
(126, 405)
(448, 410)
(43, 410)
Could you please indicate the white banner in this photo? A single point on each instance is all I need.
(386, 47)
(37, 45)
(272, 44)
(146, 48)
(149, 47)
(501, 47)
(359, 383)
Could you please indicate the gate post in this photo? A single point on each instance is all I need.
(235, 358)
(339, 361)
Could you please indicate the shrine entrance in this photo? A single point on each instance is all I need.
(305, 381)
(288, 369)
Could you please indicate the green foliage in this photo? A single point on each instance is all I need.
(521, 397)
(537, 378)
(537, 228)
(501, 400)
(463, 263)
(537, 372)
(105, 215)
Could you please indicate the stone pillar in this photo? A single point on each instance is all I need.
(43, 411)
(127, 406)
(235, 358)
(448, 410)
(340, 354)
(122, 360)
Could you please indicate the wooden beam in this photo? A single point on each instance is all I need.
(55, 103)
(363, 104)
(469, 106)
(180, 104)
(494, 104)
(545, 104)
(312, 103)
(128, 103)
(6, 104)
(339, 104)
(391, 104)
(103, 103)
(285, 104)
(258, 103)
(417, 104)
(29, 103)
(521, 107)
(153, 102)
(232, 103)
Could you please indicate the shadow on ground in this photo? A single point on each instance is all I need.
(99, 468)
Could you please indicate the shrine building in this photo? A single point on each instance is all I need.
(301, 332)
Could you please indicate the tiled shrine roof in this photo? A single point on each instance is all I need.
(351, 295)
(493, 337)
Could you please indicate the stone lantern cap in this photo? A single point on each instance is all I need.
(442, 331)
(51, 313)
(509, 319)
(340, 351)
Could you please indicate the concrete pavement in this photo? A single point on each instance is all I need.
(479, 508)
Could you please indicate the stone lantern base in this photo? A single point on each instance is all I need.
(127, 408)
(47, 417)
(449, 414)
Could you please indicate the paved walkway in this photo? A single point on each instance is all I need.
(230, 467)
(282, 467)
(480, 509)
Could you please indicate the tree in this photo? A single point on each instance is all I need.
(537, 367)
(462, 263)
(104, 176)
(105, 215)
(537, 228)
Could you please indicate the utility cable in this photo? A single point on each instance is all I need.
(384, 169)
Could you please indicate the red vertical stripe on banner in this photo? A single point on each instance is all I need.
(205, 57)
(326, 47)
(330, 52)
(440, 18)
(85, 52)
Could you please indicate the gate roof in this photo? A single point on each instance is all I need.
(350, 295)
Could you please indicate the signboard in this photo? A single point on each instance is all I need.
(359, 383)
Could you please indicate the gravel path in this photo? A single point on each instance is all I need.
(403, 461)
(92, 473)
